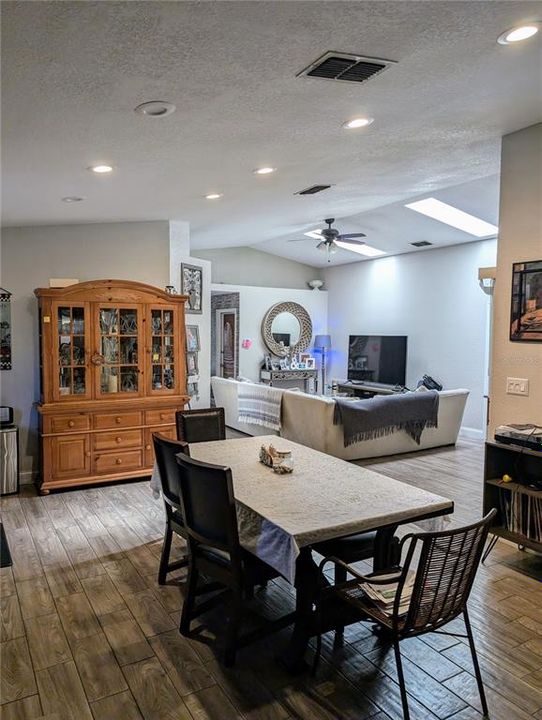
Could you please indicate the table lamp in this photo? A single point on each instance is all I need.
(323, 343)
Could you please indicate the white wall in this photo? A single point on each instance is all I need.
(32, 255)
(433, 297)
(248, 266)
(520, 239)
(254, 302)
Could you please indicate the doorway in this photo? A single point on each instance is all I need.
(225, 334)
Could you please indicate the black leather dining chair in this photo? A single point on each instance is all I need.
(441, 585)
(214, 551)
(165, 452)
(200, 425)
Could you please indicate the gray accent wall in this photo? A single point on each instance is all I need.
(32, 255)
(248, 266)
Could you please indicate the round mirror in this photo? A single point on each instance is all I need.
(287, 329)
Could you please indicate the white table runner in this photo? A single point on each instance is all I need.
(323, 498)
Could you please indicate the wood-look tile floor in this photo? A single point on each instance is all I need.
(86, 632)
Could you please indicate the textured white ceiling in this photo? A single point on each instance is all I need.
(74, 71)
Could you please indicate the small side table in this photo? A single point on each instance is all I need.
(308, 377)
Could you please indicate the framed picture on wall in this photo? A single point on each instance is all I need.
(192, 364)
(526, 311)
(192, 338)
(192, 285)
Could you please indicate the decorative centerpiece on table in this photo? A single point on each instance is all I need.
(281, 461)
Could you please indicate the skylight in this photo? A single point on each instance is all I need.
(451, 215)
(361, 249)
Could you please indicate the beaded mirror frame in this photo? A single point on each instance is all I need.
(305, 328)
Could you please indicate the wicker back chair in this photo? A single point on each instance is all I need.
(447, 565)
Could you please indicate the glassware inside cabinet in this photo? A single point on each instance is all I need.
(162, 349)
(71, 350)
(119, 350)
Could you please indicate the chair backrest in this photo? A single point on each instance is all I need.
(165, 451)
(208, 505)
(446, 570)
(201, 425)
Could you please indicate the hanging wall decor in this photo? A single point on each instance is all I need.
(5, 329)
(526, 312)
(192, 285)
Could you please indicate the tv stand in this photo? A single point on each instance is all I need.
(362, 390)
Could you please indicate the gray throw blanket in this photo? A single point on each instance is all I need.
(384, 415)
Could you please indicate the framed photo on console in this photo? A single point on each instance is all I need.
(526, 310)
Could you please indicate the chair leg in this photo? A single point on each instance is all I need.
(164, 557)
(189, 600)
(477, 672)
(317, 654)
(340, 577)
(232, 630)
(399, 663)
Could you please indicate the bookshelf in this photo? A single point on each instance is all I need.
(518, 503)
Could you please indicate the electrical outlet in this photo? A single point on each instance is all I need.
(517, 386)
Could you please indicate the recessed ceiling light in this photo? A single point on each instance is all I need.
(517, 34)
(450, 215)
(357, 123)
(213, 196)
(366, 250)
(264, 171)
(316, 234)
(72, 199)
(155, 108)
(101, 169)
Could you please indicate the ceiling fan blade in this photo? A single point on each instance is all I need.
(347, 236)
(301, 239)
(350, 242)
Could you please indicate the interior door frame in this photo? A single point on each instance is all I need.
(220, 312)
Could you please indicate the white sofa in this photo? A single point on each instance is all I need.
(308, 419)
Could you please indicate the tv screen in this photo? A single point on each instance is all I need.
(377, 358)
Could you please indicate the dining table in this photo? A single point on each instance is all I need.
(281, 516)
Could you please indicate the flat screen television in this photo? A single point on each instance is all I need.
(377, 358)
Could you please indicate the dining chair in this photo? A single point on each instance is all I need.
(165, 451)
(214, 551)
(353, 549)
(200, 425)
(441, 585)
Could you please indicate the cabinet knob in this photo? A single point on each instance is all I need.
(147, 447)
(118, 461)
(118, 439)
(71, 423)
(162, 416)
(87, 453)
(118, 420)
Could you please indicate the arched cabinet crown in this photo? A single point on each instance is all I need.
(112, 371)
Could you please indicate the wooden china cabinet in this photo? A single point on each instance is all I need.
(112, 367)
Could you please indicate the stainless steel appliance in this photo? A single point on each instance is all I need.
(9, 460)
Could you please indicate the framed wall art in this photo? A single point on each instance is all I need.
(526, 310)
(5, 329)
(192, 285)
(192, 338)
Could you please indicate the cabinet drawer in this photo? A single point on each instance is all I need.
(65, 423)
(119, 439)
(160, 417)
(102, 421)
(118, 462)
(169, 432)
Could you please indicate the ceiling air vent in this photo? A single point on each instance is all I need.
(343, 66)
(313, 190)
(421, 243)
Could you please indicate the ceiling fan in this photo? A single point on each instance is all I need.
(331, 238)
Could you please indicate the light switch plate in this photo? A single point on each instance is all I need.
(517, 386)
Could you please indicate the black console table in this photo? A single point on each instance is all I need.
(360, 390)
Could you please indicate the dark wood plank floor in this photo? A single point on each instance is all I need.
(87, 633)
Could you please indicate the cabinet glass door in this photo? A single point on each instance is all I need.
(164, 351)
(119, 349)
(70, 346)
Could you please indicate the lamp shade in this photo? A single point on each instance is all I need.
(322, 342)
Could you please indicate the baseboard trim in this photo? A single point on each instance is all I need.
(27, 477)
(471, 433)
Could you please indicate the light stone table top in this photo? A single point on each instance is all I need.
(323, 498)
